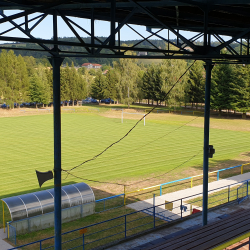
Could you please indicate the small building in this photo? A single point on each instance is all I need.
(92, 65)
(35, 211)
(142, 53)
(105, 72)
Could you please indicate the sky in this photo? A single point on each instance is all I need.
(102, 28)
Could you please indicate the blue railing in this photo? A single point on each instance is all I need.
(220, 170)
(107, 205)
(242, 192)
(121, 227)
(170, 182)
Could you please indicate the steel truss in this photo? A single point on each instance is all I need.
(156, 16)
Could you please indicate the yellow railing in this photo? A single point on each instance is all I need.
(191, 181)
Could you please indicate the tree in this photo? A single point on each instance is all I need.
(172, 70)
(65, 83)
(13, 80)
(36, 89)
(97, 88)
(92, 72)
(39, 87)
(148, 83)
(153, 83)
(110, 89)
(222, 87)
(127, 82)
(30, 63)
(139, 83)
(73, 80)
(22, 80)
(82, 70)
(195, 91)
(81, 86)
(46, 94)
(159, 79)
(240, 88)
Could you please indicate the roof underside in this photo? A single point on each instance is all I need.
(225, 17)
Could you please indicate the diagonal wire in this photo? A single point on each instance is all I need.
(112, 144)
(169, 170)
(93, 180)
(170, 132)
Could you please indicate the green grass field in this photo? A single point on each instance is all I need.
(162, 145)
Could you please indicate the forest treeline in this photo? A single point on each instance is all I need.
(24, 79)
(78, 61)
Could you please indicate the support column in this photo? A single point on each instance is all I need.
(92, 29)
(112, 23)
(56, 63)
(208, 67)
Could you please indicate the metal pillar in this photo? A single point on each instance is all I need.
(208, 68)
(112, 23)
(56, 63)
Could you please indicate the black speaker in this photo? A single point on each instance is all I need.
(44, 176)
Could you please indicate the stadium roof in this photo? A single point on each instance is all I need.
(225, 20)
(225, 17)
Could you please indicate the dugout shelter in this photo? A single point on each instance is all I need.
(78, 199)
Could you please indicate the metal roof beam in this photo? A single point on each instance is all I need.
(240, 35)
(165, 25)
(28, 12)
(74, 31)
(27, 34)
(144, 38)
(126, 19)
(13, 28)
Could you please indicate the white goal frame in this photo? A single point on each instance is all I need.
(133, 114)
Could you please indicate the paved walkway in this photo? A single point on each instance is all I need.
(193, 222)
(175, 197)
(3, 244)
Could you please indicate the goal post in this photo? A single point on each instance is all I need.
(144, 120)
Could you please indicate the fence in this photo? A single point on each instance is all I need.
(119, 200)
(123, 226)
(242, 192)
(108, 203)
(47, 220)
(11, 233)
(191, 178)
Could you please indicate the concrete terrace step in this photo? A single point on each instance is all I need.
(182, 194)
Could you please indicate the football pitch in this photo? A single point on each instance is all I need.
(167, 143)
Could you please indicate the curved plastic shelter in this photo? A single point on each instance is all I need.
(33, 204)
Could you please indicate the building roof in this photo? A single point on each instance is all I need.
(225, 17)
(33, 204)
(94, 64)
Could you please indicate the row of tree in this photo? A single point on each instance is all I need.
(23, 80)
(230, 84)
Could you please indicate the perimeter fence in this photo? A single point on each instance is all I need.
(124, 226)
(180, 184)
